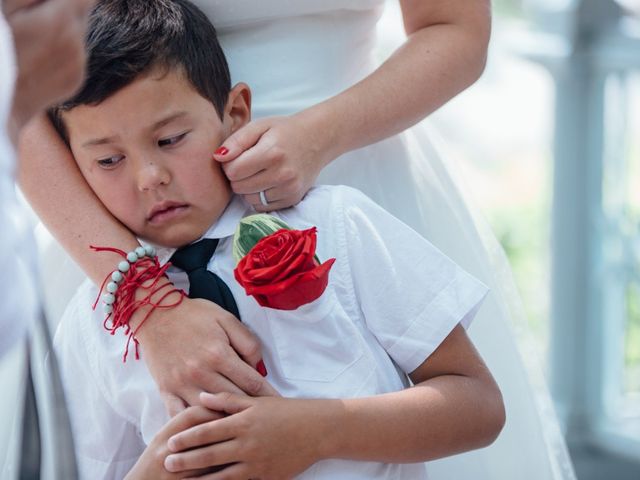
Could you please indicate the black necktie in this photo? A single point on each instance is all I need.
(193, 259)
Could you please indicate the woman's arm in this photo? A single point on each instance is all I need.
(59, 194)
(455, 406)
(48, 38)
(444, 53)
(57, 191)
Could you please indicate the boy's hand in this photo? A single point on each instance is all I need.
(150, 465)
(198, 346)
(266, 438)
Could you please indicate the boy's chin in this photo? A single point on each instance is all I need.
(173, 239)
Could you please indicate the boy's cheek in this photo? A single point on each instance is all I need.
(125, 208)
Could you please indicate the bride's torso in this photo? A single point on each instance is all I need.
(295, 53)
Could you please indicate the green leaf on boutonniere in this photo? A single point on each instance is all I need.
(251, 229)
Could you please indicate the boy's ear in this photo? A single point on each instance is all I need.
(237, 112)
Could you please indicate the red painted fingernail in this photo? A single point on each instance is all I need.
(221, 151)
(262, 370)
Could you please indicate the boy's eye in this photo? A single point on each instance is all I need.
(165, 142)
(110, 162)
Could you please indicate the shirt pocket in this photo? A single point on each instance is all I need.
(318, 344)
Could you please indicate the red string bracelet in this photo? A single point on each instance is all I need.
(140, 270)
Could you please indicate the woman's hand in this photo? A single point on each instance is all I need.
(266, 438)
(198, 346)
(444, 53)
(49, 43)
(150, 465)
(280, 156)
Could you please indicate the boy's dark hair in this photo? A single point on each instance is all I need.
(127, 38)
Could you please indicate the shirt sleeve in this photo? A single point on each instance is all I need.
(411, 294)
(107, 445)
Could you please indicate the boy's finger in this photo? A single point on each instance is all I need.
(217, 454)
(215, 382)
(237, 470)
(172, 403)
(226, 402)
(241, 140)
(190, 417)
(202, 433)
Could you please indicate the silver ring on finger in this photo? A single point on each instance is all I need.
(263, 199)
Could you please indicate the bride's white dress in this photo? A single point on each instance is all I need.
(294, 54)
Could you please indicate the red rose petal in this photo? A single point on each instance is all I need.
(281, 272)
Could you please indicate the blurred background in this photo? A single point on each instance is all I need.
(548, 143)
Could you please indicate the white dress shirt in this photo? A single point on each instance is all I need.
(17, 248)
(391, 300)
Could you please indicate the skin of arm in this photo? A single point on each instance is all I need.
(445, 52)
(59, 194)
(54, 186)
(454, 406)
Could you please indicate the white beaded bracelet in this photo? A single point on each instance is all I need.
(109, 298)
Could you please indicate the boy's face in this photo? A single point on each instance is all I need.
(146, 152)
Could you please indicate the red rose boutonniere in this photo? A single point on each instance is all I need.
(278, 266)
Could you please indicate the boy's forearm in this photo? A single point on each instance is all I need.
(61, 197)
(443, 416)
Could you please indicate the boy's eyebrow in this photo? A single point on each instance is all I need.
(155, 126)
(169, 119)
(99, 141)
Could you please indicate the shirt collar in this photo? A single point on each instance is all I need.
(224, 227)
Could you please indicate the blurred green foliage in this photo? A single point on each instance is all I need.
(523, 232)
(632, 340)
(507, 8)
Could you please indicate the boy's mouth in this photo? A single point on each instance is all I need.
(165, 211)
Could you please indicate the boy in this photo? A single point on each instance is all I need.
(155, 105)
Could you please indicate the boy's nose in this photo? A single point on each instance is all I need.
(151, 175)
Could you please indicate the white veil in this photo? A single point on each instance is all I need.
(531, 446)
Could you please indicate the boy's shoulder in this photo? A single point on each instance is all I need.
(328, 203)
(338, 193)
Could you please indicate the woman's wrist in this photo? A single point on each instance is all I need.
(149, 312)
(326, 130)
(131, 293)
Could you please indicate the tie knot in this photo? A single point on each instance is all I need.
(194, 256)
